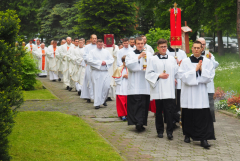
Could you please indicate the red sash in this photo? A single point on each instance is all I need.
(43, 60)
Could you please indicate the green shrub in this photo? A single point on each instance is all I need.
(155, 34)
(29, 72)
(10, 77)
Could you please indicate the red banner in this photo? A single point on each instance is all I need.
(175, 26)
(108, 40)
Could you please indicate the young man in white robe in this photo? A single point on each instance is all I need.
(100, 61)
(124, 51)
(138, 88)
(121, 78)
(132, 43)
(161, 74)
(38, 45)
(87, 87)
(51, 54)
(147, 47)
(195, 73)
(64, 53)
(59, 60)
(41, 55)
(210, 86)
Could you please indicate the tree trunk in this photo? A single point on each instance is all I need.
(238, 25)
(220, 43)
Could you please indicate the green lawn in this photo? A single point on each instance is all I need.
(53, 136)
(38, 93)
(228, 72)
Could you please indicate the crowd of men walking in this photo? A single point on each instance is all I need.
(165, 82)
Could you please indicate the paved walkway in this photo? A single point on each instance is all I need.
(145, 145)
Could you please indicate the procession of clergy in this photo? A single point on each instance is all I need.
(166, 82)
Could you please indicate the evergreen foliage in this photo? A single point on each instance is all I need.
(106, 17)
(10, 77)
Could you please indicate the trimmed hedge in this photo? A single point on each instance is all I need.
(10, 77)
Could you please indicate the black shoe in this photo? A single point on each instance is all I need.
(170, 137)
(97, 107)
(88, 101)
(67, 87)
(160, 135)
(79, 93)
(59, 79)
(109, 99)
(205, 144)
(187, 139)
(70, 89)
(54, 80)
(139, 127)
(143, 128)
(104, 104)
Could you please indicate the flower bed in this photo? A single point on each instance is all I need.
(229, 101)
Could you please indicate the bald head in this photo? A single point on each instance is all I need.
(203, 41)
(69, 40)
(63, 41)
(42, 45)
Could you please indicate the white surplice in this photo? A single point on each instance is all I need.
(194, 93)
(180, 56)
(64, 54)
(52, 64)
(122, 83)
(137, 84)
(161, 88)
(100, 75)
(210, 86)
(41, 61)
(121, 53)
(149, 49)
(87, 87)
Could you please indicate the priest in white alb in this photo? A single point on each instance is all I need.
(138, 88)
(59, 60)
(195, 73)
(87, 87)
(41, 56)
(51, 54)
(64, 52)
(100, 61)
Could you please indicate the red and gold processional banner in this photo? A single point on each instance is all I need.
(175, 26)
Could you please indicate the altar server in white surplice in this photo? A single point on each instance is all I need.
(30, 47)
(87, 87)
(100, 61)
(210, 86)
(126, 49)
(59, 60)
(65, 52)
(51, 54)
(196, 72)
(161, 74)
(41, 55)
(147, 47)
(138, 98)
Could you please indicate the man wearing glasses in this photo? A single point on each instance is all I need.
(161, 73)
(195, 73)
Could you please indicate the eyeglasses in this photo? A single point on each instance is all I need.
(162, 47)
(203, 44)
